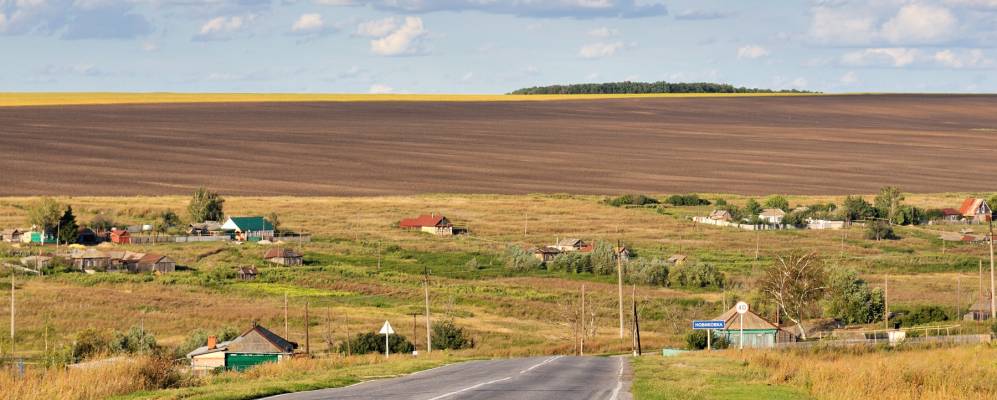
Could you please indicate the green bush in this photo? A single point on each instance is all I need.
(519, 260)
(447, 335)
(698, 275)
(697, 341)
(372, 342)
(920, 315)
(572, 262)
(631, 200)
(602, 258)
(686, 200)
(879, 230)
(851, 301)
(648, 272)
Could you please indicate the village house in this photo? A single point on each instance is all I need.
(36, 262)
(249, 229)
(120, 236)
(256, 346)
(622, 252)
(976, 210)
(12, 235)
(758, 331)
(429, 223)
(572, 244)
(677, 259)
(123, 260)
(772, 216)
(283, 256)
(157, 263)
(979, 311)
(247, 273)
(90, 259)
(205, 228)
(951, 215)
(86, 236)
(546, 253)
(35, 236)
(721, 215)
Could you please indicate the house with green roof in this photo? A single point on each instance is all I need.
(758, 331)
(249, 229)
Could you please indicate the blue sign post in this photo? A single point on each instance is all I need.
(709, 325)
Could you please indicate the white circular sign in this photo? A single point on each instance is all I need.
(741, 307)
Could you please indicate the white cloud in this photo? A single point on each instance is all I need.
(871, 23)
(406, 40)
(600, 49)
(973, 58)
(3, 22)
(849, 78)
(308, 23)
(377, 28)
(752, 52)
(150, 46)
(467, 76)
(222, 28)
(886, 56)
(379, 88)
(523, 8)
(603, 32)
(919, 23)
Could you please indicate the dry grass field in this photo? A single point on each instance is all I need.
(751, 145)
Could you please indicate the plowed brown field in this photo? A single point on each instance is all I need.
(750, 145)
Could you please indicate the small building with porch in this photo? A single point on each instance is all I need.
(545, 254)
(772, 216)
(90, 259)
(12, 235)
(157, 263)
(758, 331)
(572, 244)
(120, 236)
(976, 210)
(256, 346)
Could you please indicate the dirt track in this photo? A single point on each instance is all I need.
(754, 145)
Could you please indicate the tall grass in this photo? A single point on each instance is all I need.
(911, 374)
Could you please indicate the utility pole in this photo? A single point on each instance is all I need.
(429, 334)
(286, 332)
(886, 301)
(346, 319)
(958, 295)
(378, 256)
(619, 273)
(758, 244)
(582, 347)
(12, 341)
(526, 223)
(637, 324)
(993, 301)
(308, 349)
(415, 331)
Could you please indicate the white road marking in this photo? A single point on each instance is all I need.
(540, 364)
(619, 382)
(470, 388)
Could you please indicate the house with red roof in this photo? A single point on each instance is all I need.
(429, 223)
(976, 210)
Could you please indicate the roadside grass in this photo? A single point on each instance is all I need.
(704, 376)
(81, 98)
(295, 376)
(904, 373)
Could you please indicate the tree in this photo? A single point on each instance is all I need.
(648, 272)
(274, 220)
(603, 259)
(856, 208)
(68, 229)
(372, 342)
(777, 201)
(45, 214)
(697, 341)
(752, 207)
(851, 301)
(167, 220)
(697, 275)
(101, 222)
(796, 283)
(206, 206)
(888, 202)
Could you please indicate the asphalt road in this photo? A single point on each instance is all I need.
(603, 378)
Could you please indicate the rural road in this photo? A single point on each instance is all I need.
(557, 377)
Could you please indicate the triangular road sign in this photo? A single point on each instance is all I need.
(386, 329)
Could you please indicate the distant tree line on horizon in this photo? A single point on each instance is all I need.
(628, 87)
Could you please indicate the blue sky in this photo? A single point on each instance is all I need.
(494, 46)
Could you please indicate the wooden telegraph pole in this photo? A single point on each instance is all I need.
(286, 332)
(308, 347)
(886, 301)
(12, 341)
(582, 346)
(993, 301)
(429, 333)
(619, 273)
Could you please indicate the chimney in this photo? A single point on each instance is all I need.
(212, 342)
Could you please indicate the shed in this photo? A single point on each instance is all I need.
(204, 228)
(120, 236)
(677, 259)
(155, 263)
(248, 273)
(979, 311)
(256, 346)
(758, 331)
(721, 215)
(249, 229)
(285, 257)
(86, 236)
(951, 214)
(623, 253)
(90, 259)
(12, 235)
(546, 253)
(429, 223)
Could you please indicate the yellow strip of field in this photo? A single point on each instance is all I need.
(11, 99)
